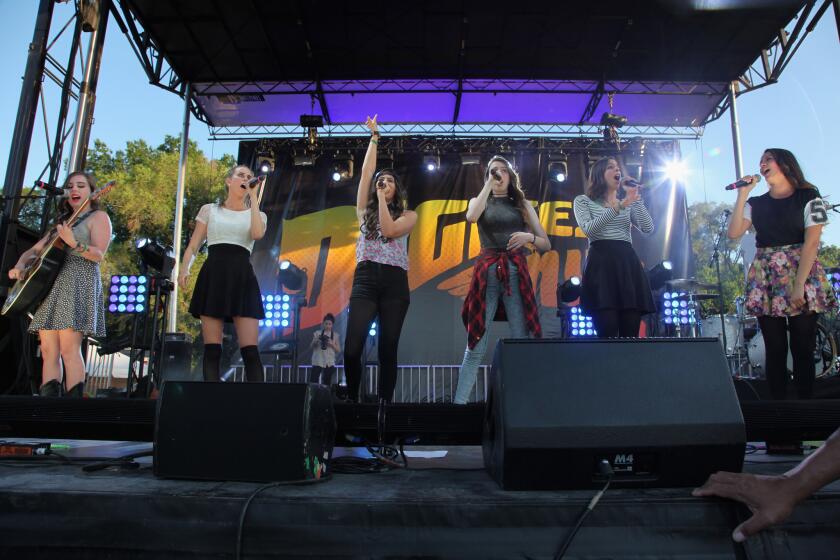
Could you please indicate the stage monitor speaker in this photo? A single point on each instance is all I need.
(176, 361)
(243, 431)
(663, 412)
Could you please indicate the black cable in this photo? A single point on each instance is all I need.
(241, 528)
(605, 469)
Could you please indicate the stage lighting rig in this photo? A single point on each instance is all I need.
(570, 290)
(265, 159)
(660, 274)
(342, 167)
(469, 158)
(155, 256)
(431, 162)
(312, 123)
(558, 167)
(291, 276)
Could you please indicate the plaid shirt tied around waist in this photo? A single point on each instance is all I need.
(475, 305)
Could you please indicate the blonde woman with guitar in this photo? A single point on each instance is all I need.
(74, 307)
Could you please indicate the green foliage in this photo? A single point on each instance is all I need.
(143, 202)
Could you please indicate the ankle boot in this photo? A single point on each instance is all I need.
(77, 391)
(50, 389)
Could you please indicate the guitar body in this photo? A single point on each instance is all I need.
(35, 282)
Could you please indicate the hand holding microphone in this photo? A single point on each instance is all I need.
(631, 190)
(748, 181)
(253, 182)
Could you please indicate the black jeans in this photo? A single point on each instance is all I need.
(322, 375)
(803, 341)
(379, 290)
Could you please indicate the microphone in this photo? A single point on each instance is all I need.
(495, 174)
(254, 181)
(49, 188)
(632, 183)
(744, 183)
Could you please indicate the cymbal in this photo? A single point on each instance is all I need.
(689, 284)
(695, 297)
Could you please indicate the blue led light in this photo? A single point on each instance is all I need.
(121, 308)
(284, 322)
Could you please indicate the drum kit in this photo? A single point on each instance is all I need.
(739, 334)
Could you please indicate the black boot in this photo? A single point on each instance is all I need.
(77, 391)
(50, 389)
(212, 358)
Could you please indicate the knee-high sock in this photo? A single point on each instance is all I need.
(254, 372)
(212, 358)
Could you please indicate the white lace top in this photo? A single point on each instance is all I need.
(228, 226)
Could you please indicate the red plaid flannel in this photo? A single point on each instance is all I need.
(475, 305)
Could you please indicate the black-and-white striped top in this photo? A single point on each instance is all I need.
(603, 222)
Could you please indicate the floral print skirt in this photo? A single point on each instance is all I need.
(770, 284)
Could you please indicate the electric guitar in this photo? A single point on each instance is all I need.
(37, 278)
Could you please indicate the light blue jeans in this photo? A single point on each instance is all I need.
(515, 318)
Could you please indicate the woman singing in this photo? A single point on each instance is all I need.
(226, 288)
(786, 287)
(615, 291)
(74, 307)
(506, 223)
(325, 345)
(380, 283)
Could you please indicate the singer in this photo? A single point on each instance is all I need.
(507, 223)
(786, 286)
(615, 291)
(380, 283)
(226, 289)
(75, 305)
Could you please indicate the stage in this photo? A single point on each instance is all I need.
(440, 507)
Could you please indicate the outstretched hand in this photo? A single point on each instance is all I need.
(372, 125)
(770, 498)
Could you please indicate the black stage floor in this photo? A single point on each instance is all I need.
(442, 507)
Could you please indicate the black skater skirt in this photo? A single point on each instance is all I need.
(614, 279)
(226, 286)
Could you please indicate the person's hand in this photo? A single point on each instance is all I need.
(66, 235)
(14, 273)
(751, 183)
(253, 195)
(770, 498)
(372, 125)
(183, 276)
(797, 297)
(631, 194)
(519, 239)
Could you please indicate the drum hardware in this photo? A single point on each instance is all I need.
(688, 285)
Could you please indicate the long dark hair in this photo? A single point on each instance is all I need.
(596, 187)
(790, 167)
(64, 208)
(515, 192)
(396, 207)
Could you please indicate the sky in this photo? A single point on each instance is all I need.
(799, 113)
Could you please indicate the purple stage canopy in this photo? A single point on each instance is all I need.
(261, 62)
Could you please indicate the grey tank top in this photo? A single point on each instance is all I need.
(498, 221)
(81, 229)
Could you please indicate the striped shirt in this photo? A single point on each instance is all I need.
(602, 222)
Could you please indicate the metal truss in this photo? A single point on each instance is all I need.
(772, 61)
(507, 130)
(154, 63)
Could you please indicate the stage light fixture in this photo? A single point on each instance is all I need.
(469, 158)
(155, 256)
(570, 289)
(342, 167)
(128, 293)
(303, 160)
(292, 277)
(558, 168)
(431, 162)
(580, 324)
(660, 274)
(676, 170)
(279, 310)
(613, 120)
(372, 331)
(265, 166)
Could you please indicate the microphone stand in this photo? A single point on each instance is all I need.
(716, 260)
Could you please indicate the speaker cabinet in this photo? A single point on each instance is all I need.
(243, 431)
(663, 412)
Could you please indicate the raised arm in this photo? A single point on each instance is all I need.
(476, 205)
(368, 167)
(587, 221)
(740, 223)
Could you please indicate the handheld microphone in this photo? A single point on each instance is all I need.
(744, 183)
(632, 183)
(254, 181)
(49, 188)
(495, 174)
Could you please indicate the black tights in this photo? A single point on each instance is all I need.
(803, 340)
(391, 316)
(611, 323)
(254, 371)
